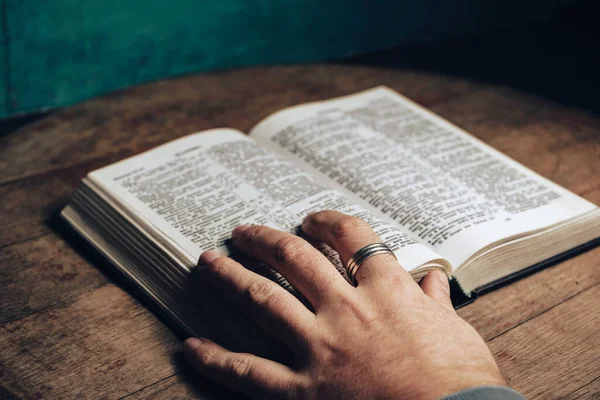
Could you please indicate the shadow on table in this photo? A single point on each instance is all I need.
(216, 317)
(201, 387)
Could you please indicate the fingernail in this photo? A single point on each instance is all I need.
(190, 345)
(208, 256)
(238, 231)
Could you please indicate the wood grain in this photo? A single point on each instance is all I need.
(104, 345)
(589, 391)
(503, 309)
(67, 331)
(30, 205)
(39, 273)
(128, 122)
(555, 354)
(184, 385)
(173, 387)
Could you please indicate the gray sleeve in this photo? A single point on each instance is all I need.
(486, 393)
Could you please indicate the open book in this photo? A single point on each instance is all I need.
(436, 195)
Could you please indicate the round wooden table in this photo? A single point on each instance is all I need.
(70, 330)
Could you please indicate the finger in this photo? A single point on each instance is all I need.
(243, 372)
(346, 235)
(309, 271)
(275, 309)
(435, 285)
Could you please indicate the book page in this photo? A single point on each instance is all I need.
(448, 189)
(195, 190)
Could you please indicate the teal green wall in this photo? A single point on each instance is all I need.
(57, 52)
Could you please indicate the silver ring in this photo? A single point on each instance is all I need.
(362, 255)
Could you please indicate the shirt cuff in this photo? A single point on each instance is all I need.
(486, 393)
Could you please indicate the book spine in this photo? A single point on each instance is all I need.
(459, 297)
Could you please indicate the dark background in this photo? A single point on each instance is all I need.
(556, 58)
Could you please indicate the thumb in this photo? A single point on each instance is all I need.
(435, 285)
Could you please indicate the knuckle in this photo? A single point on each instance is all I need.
(205, 356)
(240, 367)
(302, 387)
(289, 249)
(218, 266)
(348, 226)
(255, 233)
(262, 292)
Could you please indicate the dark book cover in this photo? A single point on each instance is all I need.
(461, 299)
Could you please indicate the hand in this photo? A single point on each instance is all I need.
(387, 338)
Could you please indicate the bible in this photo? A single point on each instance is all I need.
(436, 195)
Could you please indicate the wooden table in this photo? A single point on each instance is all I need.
(69, 329)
